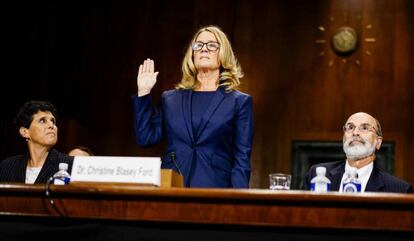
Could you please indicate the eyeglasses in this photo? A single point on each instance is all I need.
(211, 46)
(365, 127)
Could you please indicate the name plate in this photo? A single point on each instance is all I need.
(143, 170)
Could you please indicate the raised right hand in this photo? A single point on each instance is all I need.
(146, 78)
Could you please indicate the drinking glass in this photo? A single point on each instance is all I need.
(279, 181)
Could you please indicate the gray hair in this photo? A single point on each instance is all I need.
(379, 129)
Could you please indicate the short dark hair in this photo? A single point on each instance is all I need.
(25, 115)
(83, 148)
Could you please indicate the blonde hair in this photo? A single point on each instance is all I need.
(230, 69)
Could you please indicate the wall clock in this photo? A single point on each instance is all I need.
(344, 40)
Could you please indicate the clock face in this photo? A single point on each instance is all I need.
(344, 41)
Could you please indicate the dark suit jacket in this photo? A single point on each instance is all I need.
(215, 155)
(13, 169)
(379, 181)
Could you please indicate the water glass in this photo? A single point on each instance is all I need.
(279, 181)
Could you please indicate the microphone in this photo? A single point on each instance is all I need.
(172, 155)
(49, 196)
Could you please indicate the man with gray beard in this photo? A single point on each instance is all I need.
(362, 137)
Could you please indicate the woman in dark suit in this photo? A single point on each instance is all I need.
(36, 123)
(207, 122)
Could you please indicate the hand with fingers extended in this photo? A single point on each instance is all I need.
(146, 77)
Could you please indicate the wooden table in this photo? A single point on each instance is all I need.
(229, 211)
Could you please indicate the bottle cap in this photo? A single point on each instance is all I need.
(320, 171)
(63, 166)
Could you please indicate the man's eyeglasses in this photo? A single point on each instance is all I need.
(365, 127)
(211, 46)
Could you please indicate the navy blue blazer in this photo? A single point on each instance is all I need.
(379, 181)
(13, 169)
(217, 154)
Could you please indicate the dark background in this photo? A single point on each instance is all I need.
(83, 56)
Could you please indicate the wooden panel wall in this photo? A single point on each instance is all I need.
(84, 58)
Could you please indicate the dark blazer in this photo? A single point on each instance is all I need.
(379, 181)
(13, 169)
(215, 155)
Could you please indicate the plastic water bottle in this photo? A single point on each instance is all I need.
(61, 177)
(351, 183)
(320, 183)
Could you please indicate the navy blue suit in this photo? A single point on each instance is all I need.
(379, 181)
(217, 153)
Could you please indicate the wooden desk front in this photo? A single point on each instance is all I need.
(222, 209)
